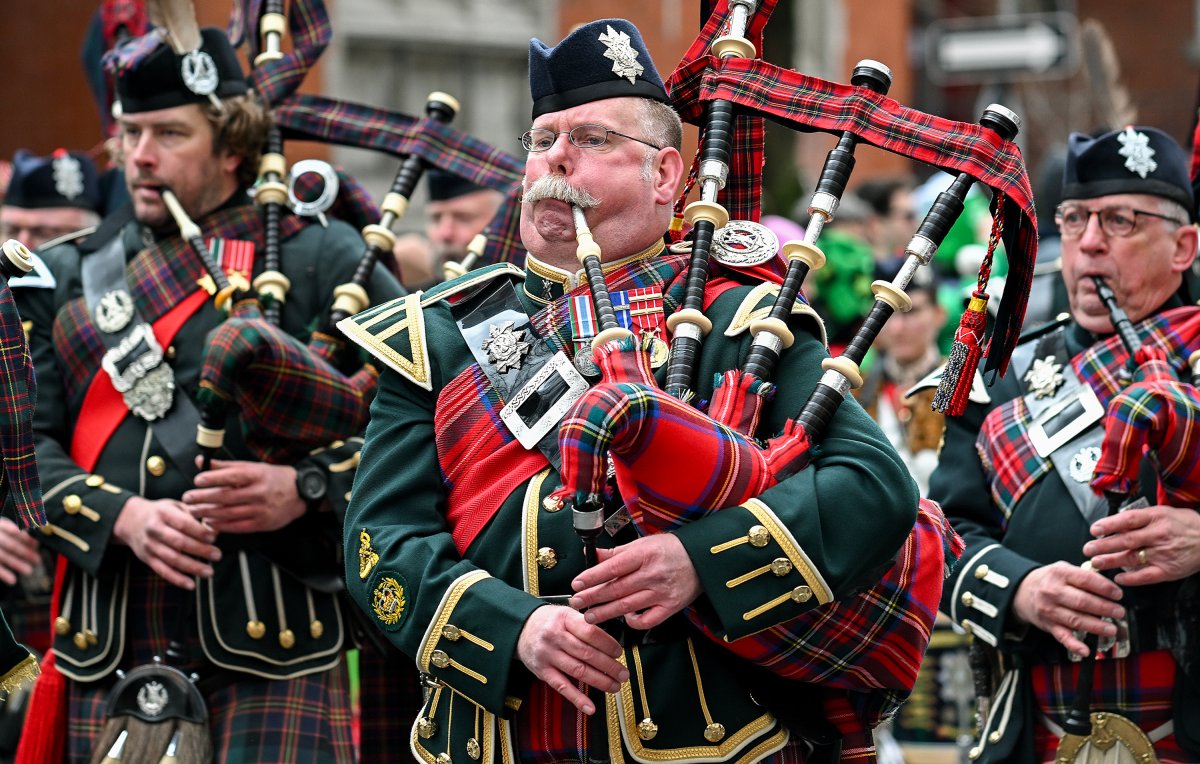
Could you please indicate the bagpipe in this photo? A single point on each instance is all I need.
(720, 76)
(1156, 414)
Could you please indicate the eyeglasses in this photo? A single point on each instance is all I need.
(1118, 221)
(540, 139)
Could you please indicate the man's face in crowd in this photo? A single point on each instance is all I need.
(1144, 268)
(629, 179)
(898, 227)
(173, 148)
(908, 336)
(35, 227)
(450, 224)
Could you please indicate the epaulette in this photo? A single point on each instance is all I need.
(394, 332)
(978, 394)
(469, 281)
(752, 310)
(39, 276)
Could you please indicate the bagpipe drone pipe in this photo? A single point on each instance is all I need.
(606, 422)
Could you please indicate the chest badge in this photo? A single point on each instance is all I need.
(1083, 464)
(505, 348)
(114, 311)
(1044, 377)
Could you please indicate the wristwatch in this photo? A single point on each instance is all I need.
(311, 484)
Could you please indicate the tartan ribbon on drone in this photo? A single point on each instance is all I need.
(742, 195)
(810, 103)
(18, 392)
(309, 30)
(310, 117)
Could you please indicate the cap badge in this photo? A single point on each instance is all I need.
(199, 73)
(623, 56)
(68, 176)
(152, 698)
(1135, 147)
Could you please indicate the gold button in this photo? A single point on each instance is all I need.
(287, 640)
(647, 729)
(316, 629)
(443, 758)
(975, 753)
(759, 536)
(801, 594)
(156, 466)
(90, 636)
(981, 571)
(255, 629)
(72, 504)
(967, 624)
(781, 566)
(94, 481)
(994, 737)
(968, 599)
(439, 659)
(80, 640)
(426, 727)
(547, 558)
(170, 354)
(62, 626)
(714, 732)
(451, 632)
(473, 749)
(552, 504)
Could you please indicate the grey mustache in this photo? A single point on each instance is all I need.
(556, 187)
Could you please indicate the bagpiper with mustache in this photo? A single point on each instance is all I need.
(458, 551)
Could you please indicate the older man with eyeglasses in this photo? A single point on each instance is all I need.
(1015, 471)
(456, 554)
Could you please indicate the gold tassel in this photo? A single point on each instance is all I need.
(19, 676)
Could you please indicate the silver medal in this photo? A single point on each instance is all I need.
(744, 242)
(585, 360)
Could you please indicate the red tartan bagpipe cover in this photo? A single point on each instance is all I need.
(1156, 414)
(874, 640)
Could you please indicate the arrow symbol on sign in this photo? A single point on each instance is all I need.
(1035, 47)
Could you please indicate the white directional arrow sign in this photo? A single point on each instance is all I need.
(1001, 48)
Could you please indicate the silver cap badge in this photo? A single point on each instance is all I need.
(199, 73)
(623, 56)
(1135, 147)
(1044, 378)
(68, 176)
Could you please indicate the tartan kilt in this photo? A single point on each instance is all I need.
(252, 719)
(1138, 687)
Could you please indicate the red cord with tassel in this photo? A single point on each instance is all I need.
(967, 350)
(44, 737)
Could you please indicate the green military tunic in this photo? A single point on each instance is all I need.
(271, 607)
(459, 615)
